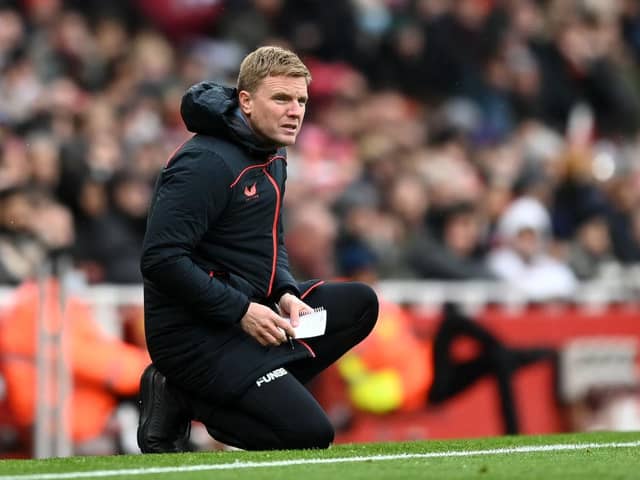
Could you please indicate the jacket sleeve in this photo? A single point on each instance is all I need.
(190, 196)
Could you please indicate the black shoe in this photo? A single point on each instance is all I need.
(164, 424)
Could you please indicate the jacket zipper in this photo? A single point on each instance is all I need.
(274, 228)
(274, 231)
(274, 236)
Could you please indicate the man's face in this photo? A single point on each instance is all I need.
(15, 212)
(527, 243)
(276, 109)
(461, 233)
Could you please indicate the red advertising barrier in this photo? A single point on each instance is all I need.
(475, 412)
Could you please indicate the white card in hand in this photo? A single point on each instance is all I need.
(312, 324)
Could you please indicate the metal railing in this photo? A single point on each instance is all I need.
(621, 288)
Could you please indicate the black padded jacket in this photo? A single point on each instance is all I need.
(214, 240)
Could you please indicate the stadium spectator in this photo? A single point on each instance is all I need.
(624, 198)
(455, 251)
(579, 66)
(113, 240)
(311, 235)
(32, 225)
(591, 254)
(523, 259)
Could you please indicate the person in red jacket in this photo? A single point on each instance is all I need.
(395, 370)
(103, 368)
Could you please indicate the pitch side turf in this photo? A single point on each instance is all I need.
(580, 456)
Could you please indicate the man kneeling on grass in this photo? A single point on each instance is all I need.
(217, 285)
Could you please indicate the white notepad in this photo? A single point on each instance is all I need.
(312, 324)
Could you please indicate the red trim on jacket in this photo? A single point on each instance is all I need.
(274, 231)
(312, 287)
(313, 354)
(250, 167)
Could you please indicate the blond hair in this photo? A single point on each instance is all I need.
(269, 61)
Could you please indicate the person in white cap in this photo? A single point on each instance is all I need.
(522, 259)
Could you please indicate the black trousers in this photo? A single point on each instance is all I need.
(281, 413)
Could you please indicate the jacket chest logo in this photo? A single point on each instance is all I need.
(251, 191)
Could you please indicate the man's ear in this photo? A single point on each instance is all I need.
(246, 103)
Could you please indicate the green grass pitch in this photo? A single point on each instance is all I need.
(576, 456)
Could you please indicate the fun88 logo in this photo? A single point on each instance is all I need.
(277, 373)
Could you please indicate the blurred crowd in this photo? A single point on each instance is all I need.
(444, 139)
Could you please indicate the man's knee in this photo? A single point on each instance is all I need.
(368, 301)
(315, 433)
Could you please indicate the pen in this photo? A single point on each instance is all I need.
(289, 338)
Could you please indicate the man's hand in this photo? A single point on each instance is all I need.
(292, 306)
(265, 325)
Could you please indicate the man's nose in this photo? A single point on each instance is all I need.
(295, 109)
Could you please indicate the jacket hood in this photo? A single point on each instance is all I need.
(212, 109)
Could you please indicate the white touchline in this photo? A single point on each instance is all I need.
(308, 461)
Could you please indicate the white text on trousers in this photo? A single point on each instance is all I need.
(277, 373)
